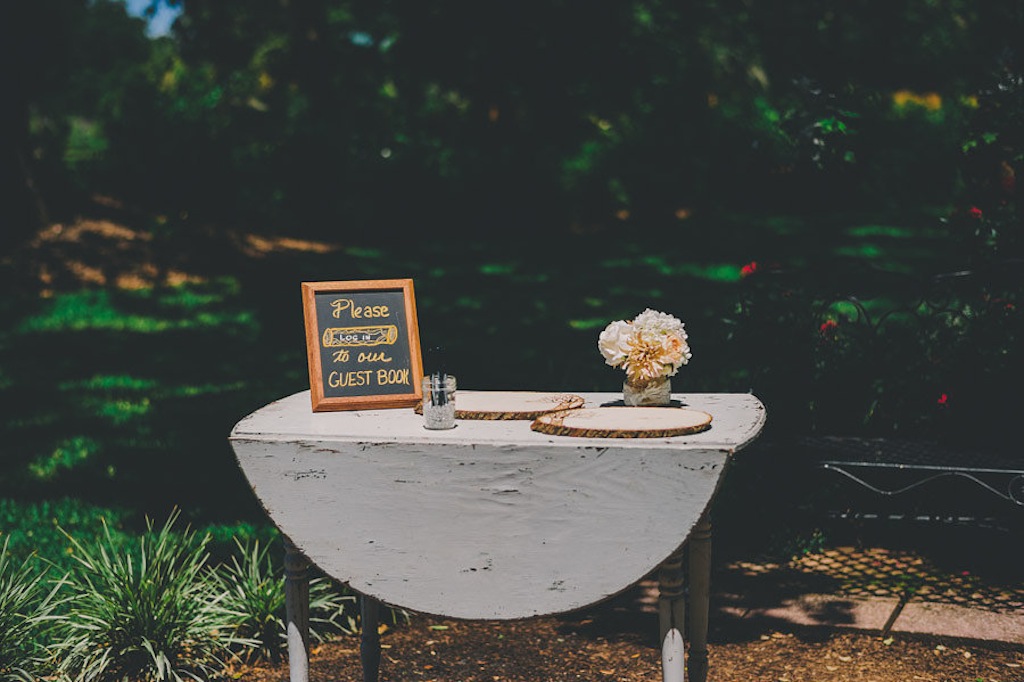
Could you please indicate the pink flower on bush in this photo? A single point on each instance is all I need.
(943, 399)
(975, 212)
(828, 328)
(748, 269)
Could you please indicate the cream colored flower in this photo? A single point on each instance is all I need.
(614, 342)
(652, 320)
(650, 347)
(643, 362)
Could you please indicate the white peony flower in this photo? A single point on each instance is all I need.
(614, 342)
(652, 346)
(652, 320)
(676, 353)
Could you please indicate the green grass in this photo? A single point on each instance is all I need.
(121, 401)
(34, 527)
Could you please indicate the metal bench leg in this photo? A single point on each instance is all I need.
(671, 617)
(296, 600)
(700, 588)
(369, 645)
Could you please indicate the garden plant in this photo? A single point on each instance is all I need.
(28, 616)
(827, 192)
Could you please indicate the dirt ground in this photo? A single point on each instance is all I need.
(617, 641)
(607, 644)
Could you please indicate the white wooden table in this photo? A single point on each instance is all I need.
(490, 520)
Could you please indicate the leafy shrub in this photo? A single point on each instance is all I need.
(253, 586)
(26, 617)
(151, 615)
(917, 357)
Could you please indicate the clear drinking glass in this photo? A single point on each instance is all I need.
(439, 401)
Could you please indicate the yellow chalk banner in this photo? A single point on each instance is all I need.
(353, 337)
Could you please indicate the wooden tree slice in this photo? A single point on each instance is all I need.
(623, 422)
(510, 404)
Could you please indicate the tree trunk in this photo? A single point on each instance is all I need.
(22, 208)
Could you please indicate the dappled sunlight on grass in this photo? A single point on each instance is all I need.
(98, 310)
(365, 252)
(258, 246)
(883, 231)
(67, 455)
(470, 302)
(865, 251)
(89, 310)
(125, 398)
(904, 249)
(891, 310)
(119, 412)
(123, 384)
(597, 323)
(35, 420)
(38, 528)
(666, 266)
(191, 298)
(497, 268)
(190, 391)
(99, 252)
(106, 382)
(35, 527)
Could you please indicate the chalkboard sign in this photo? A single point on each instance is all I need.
(362, 344)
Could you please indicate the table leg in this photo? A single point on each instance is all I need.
(296, 600)
(369, 645)
(700, 588)
(671, 617)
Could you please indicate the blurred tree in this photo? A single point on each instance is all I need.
(34, 39)
(328, 115)
(70, 62)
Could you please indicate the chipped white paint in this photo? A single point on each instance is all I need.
(488, 532)
(489, 520)
(738, 418)
(700, 590)
(672, 650)
(296, 598)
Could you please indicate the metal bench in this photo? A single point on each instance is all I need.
(891, 467)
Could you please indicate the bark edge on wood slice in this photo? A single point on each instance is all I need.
(510, 405)
(623, 422)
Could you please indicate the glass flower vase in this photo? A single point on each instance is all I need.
(657, 393)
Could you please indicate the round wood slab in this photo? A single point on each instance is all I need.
(510, 404)
(623, 422)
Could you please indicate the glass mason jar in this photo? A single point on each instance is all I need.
(657, 393)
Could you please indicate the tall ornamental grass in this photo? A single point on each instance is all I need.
(253, 585)
(27, 615)
(148, 615)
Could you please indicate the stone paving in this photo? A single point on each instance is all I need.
(872, 589)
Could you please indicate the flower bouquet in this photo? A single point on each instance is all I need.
(650, 348)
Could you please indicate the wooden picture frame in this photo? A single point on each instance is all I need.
(362, 344)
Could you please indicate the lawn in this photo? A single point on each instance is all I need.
(127, 355)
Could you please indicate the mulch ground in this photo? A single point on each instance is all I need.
(605, 645)
(617, 640)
